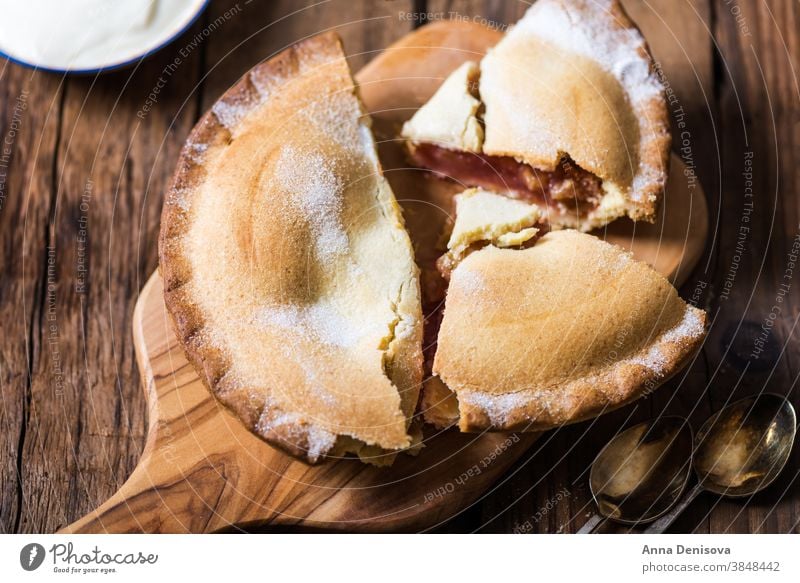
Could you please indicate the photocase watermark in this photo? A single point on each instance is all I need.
(53, 338)
(683, 136)
(697, 293)
(183, 53)
(743, 233)
(31, 556)
(67, 560)
(82, 239)
(475, 470)
(543, 511)
(741, 21)
(780, 296)
(7, 146)
(420, 18)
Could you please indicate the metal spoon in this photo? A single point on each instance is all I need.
(641, 473)
(740, 450)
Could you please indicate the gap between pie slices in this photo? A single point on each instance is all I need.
(566, 112)
(287, 269)
(518, 345)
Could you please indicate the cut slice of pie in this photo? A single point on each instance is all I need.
(555, 333)
(566, 111)
(485, 218)
(287, 270)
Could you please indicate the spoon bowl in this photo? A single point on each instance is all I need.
(739, 450)
(643, 471)
(745, 446)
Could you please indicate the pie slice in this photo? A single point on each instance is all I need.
(559, 332)
(287, 270)
(484, 218)
(566, 112)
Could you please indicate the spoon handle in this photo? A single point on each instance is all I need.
(660, 525)
(590, 524)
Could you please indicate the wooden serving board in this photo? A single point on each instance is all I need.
(202, 471)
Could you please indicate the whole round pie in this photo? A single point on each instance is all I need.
(291, 279)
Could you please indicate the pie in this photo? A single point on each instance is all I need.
(291, 280)
(287, 269)
(558, 332)
(566, 112)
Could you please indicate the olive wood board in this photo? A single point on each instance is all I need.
(202, 471)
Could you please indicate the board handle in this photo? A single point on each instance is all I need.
(191, 500)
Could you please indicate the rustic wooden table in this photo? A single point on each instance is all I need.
(84, 162)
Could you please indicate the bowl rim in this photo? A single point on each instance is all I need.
(201, 7)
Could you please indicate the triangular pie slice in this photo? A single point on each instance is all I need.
(287, 270)
(566, 111)
(558, 332)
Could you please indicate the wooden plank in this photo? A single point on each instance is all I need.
(755, 339)
(30, 105)
(113, 156)
(79, 446)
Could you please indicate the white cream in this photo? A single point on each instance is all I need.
(89, 34)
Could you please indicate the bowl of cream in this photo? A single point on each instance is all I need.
(89, 36)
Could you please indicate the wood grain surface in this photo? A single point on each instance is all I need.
(201, 470)
(84, 161)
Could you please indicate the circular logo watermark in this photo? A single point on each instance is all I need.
(31, 556)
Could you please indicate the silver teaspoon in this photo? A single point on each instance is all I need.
(740, 450)
(641, 473)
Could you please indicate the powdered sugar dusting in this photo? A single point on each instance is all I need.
(180, 198)
(689, 328)
(470, 282)
(318, 441)
(318, 322)
(496, 407)
(230, 113)
(316, 191)
(645, 175)
(590, 30)
(623, 260)
(195, 152)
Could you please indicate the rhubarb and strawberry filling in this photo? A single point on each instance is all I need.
(566, 189)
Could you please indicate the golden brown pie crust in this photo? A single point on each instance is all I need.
(565, 330)
(287, 270)
(488, 394)
(573, 79)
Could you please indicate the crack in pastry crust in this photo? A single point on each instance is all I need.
(287, 270)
